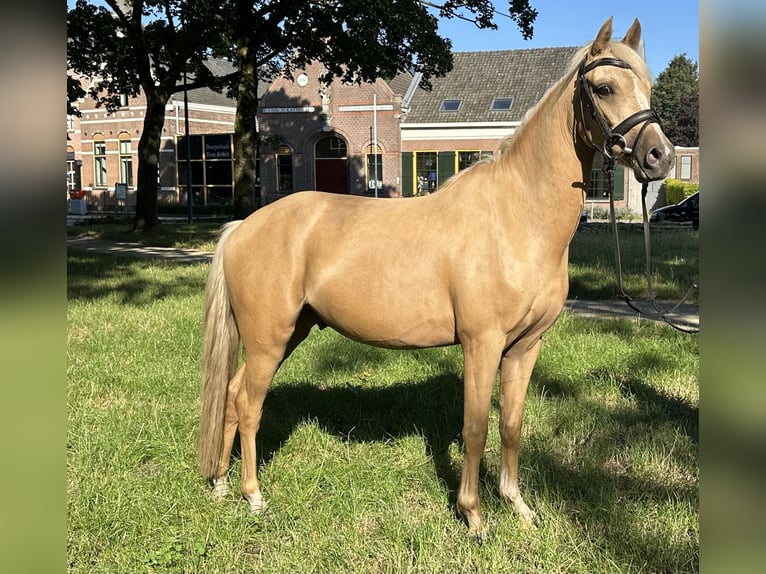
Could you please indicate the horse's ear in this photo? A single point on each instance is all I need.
(602, 38)
(633, 35)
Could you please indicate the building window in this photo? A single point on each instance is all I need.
(467, 158)
(126, 160)
(450, 105)
(374, 166)
(210, 168)
(686, 167)
(70, 123)
(331, 147)
(124, 100)
(285, 168)
(598, 190)
(219, 169)
(99, 161)
(425, 172)
(501, 104)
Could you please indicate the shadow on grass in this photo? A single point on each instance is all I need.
(125, 280)
(599, 497)
(596, 486)
(432, 409)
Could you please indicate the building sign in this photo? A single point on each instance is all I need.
(216, 149)
(298, 110)
(367, 108)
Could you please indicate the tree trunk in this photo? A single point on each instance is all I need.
(245, 134)
(148, 163)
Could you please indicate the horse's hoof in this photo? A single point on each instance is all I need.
(220, 488)
(257, 503)
(529, 518)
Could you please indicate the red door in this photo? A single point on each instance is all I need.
(332, 175)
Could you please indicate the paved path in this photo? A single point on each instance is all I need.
(686, 316)
(95, 245)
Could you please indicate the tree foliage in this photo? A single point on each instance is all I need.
(684, 128)
(675, 97)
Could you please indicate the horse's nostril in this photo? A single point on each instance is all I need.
(654, 156)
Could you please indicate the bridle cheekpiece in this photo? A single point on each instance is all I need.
(615, 146)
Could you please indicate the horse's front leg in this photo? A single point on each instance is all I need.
(481, 360)
(515, 372)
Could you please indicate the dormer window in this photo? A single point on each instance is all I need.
(501, 104)
(450, 105)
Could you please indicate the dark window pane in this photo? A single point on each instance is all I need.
(196, 147)
(450, 105)
(330, 147)
(218, 173)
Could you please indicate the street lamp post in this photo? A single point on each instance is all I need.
(189, 198)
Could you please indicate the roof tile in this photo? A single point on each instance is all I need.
(479, 77)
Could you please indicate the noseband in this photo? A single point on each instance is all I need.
(614, 138)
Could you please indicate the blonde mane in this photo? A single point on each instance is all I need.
(551, 95)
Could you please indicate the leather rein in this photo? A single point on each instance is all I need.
(615, 147)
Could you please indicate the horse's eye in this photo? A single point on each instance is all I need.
(604, 91)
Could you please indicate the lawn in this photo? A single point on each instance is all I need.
(360, 449)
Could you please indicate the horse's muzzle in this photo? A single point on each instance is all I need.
(653, 158)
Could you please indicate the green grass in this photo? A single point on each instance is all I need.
(359, 447)
(674, 262)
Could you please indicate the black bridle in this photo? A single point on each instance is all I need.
(615, 147)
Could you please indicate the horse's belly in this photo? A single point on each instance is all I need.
(396, 334)
(388, 321)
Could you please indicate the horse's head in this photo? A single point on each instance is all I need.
(612, 105)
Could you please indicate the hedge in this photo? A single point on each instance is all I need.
(677, 190)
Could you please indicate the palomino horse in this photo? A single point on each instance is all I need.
(481, 263)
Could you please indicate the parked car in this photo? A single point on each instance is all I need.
(684, 211)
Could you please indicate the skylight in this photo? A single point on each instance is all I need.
(501, 104)
(450, 105)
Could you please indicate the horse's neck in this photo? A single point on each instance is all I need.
(546, 151)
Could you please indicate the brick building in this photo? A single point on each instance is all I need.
(102, 148)
(331, 137)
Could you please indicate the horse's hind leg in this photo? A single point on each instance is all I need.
(262, 362)
(258, 372)
(515, 372)
(221, 482)
(231, 421)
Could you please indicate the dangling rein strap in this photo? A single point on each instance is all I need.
(663, 314)
(615, 137)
